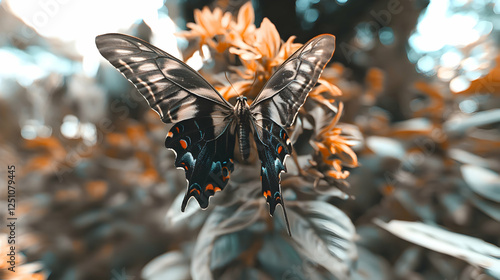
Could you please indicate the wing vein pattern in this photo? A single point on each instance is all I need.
(172, 88)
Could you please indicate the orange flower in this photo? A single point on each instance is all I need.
(236, 89)
(336, 74)
(263, 45)
(22, 271)
(49, 155)
(252, 69)
(374, 80)
(490, 83)
(330, 142)
(261, 51)
(218, 30)
(208, 26)
(286, 50)
(96, 189)
(325, 87)
(244, 27)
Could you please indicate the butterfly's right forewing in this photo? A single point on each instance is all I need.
(287, 89)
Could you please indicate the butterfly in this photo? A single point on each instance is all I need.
(206, 127)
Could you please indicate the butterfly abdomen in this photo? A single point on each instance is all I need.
(244, 142)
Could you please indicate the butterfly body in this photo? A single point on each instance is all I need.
(243, 119)
(206, 126)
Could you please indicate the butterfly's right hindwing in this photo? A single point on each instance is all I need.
(172, 88)
(273, 145)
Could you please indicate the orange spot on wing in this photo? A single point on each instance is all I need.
(267, 194)
(170, 134)
(177, 128)
(225, 178)
(209, 187)
(217, 189)
(280, 148)
(183, 143)
(191, 191)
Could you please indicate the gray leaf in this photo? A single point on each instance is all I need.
(386, 147)
(459, 126)
(228, 247)
(472, 250)
(172, 265)
(371, 267)
(220, 222)
(482, 181)
(323, 234)
(175, 215)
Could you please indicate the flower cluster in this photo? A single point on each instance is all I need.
(259, 51)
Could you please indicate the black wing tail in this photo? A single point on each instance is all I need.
(273, 146)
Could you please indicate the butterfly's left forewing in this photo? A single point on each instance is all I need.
(277, 105)
(173, 89)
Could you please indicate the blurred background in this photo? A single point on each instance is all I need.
(98, 196)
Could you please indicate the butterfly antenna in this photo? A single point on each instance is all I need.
(254, 79)
(227, 78)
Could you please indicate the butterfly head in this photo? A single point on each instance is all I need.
(241, 107)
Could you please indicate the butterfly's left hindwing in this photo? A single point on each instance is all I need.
(205, 151)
